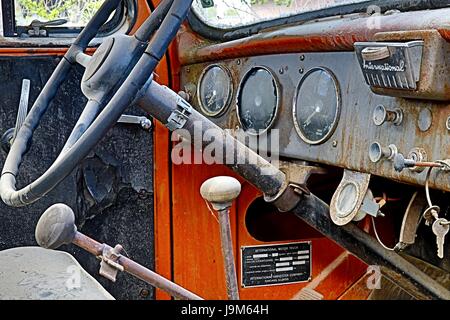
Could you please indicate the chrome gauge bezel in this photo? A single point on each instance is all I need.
(230, 91)
(278, 100)
(338, 107)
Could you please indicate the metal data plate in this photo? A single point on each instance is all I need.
(268, 265)
(392, 65)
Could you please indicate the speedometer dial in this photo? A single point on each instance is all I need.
(317, 106)
(214, 90)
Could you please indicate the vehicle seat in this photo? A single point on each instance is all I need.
(34, 273)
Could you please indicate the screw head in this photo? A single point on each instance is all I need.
(144, 293)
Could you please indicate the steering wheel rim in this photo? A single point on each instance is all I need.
(167, 19)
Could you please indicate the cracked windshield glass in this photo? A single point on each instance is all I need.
(76, 12)
(225, 14)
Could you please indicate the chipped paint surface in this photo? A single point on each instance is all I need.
(337, 34)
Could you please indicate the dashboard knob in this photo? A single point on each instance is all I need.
(400, 163)
(377, 152)
(382, 115)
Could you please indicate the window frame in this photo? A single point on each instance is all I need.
(126, 15)
(217, 34)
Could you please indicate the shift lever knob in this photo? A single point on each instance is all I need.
(56, 227)
(220, 191)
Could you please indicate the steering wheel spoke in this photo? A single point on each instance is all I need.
(83, 59)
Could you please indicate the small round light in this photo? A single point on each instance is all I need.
(347, 199)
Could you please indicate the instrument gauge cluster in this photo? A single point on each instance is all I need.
(317, 107)
(315, 110)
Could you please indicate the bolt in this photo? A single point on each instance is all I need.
(334, 143)
(144, 293)
(188, 70)
(238, 62)
(142, 194)
(302, 57)
(281, 71)
(301, 70)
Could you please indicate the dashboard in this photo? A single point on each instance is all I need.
(327, 111)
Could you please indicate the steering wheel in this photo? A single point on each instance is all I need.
(113, 77)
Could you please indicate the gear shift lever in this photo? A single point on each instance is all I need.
(220, 192)
(57, 227)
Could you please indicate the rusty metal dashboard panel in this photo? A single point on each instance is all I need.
(424, 124)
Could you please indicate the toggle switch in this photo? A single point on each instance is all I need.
(382, 115)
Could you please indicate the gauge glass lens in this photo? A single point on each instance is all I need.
(215, 90)
(257, 100)
(347, 200)
(317, 106)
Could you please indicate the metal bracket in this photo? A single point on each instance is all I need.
(143, 122)
(348, 197)
(180, 115)
(297, 174)
(109, 265)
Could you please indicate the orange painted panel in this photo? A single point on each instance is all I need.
(197, 254)
(162, 189)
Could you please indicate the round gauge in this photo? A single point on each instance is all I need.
(257, 100)
(214, 90)
(317, 106)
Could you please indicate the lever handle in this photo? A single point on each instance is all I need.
(400, 163)
(56, 227)
(39, 24)
(220, 190)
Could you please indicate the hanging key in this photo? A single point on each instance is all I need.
(440, 229)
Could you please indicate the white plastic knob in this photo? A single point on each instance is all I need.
(220, 190)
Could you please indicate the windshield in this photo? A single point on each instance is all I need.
(76, 12)
(226, 14)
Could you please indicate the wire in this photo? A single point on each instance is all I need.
(378, 238)
(427, 188)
